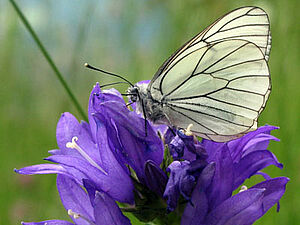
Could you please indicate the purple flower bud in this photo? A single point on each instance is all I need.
(177, 147)
(156, 178)
(181, 182)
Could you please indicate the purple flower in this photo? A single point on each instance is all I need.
(228, 166)
(182, 180)
(89, 207)
(99, 151)
(184, 147)
(80, 157)
(116, 157)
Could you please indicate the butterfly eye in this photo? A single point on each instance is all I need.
(133, 98)
(133, 93)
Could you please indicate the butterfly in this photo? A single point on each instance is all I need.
(217, 83)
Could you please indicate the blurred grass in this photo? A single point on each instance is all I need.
(130, 37)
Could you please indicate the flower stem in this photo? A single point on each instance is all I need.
(49, 59)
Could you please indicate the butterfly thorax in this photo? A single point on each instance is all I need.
(146, 105)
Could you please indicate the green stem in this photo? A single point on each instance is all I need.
(49, 59)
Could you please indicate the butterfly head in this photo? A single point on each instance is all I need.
(137, 92)
(133, 93)
(145, 104)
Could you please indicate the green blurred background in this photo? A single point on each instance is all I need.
(130, 37)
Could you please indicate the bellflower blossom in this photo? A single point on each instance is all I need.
(226, 167)
(114, 159)
(101, 151)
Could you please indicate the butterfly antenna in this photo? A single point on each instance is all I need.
(106, 85)
(108, 73)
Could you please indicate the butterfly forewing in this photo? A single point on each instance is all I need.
(246, 23)
(218, 81)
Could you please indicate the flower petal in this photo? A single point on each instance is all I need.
(196, 210)
(49, 222)
(242, 208)
(275, 188)
(181, 181)
(177, 148)
(156, 178)
(53, 169)
(91, 190)
(194, 147)
(177, 171)
(222, 184)
(120, 189)
(42, 169)
(97, 97)
(210, 146)
(118, 173)
(107, 211)
(260, 142)
(127, 137)
(95, 155)
(252, 163)
(237, 146)
(272, 190)
(68, 128)
(264, 175)
(75, 198)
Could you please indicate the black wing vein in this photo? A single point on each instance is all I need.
(193, 120)
(213, 64)
(207, 114)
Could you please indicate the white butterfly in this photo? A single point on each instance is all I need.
(218, 81)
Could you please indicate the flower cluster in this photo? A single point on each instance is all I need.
(116, 164)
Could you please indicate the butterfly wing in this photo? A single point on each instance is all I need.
(218, 81)
(222, 93)
(247, 23)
